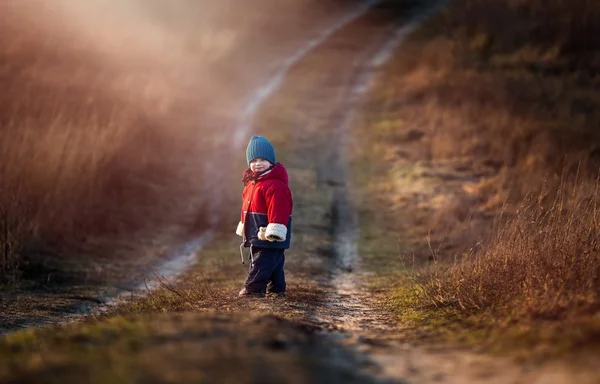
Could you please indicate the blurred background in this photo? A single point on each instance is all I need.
(117, 122)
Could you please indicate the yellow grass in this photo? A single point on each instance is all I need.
(545, 262)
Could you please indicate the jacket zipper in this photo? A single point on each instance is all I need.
(248, 209)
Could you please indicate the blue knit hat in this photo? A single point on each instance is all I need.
(260, 147)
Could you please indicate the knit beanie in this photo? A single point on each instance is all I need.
(260, 147)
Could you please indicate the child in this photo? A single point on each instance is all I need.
(266, 219)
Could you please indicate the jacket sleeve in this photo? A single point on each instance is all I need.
(279, 203)
(279, 209)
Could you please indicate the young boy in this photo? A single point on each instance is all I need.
(266, 219)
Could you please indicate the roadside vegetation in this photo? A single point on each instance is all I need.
(490, 116)
(104, 143)
(92, 163)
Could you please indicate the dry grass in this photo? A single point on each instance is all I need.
(542, 263)
(498, 115)
(11, 236)
(88, 148)
(489, 104)
(544, 259)
(107, 144)
(520, 100)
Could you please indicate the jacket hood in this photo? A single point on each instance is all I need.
(277, 172)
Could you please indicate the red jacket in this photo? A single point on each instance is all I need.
(267, 203)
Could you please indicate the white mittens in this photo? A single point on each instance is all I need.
(240, 229)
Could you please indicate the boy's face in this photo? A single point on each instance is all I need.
(259, 165)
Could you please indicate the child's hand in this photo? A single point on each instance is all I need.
(262, 234)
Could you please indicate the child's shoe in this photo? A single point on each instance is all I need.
(245, 293)
(277, 294)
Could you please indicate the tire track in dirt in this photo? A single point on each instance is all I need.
(264, 92)
(315, 106)
(356, 52)
(357, 308)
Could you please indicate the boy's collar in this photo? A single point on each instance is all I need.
(259, 175)
(264, 173)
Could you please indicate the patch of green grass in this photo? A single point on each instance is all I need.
(102, 351)
(405, 300)
(208, 284)
(186, 347)
(384, 244)
(498, 330)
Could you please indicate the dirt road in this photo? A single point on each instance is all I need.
(314, 111)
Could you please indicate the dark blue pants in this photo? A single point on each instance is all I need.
(266, 268)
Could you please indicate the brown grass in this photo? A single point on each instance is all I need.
(545, 257)
(91, 153)
(542, 263)
(520, 99)
(490, 110)
(114, 148)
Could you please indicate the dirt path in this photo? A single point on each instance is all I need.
(57, 303)
(325, 88)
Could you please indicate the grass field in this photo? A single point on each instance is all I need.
(489, 117)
